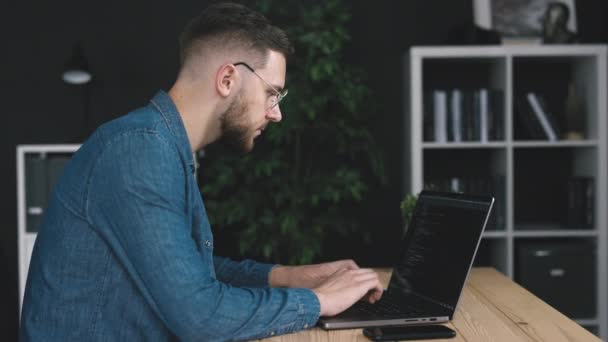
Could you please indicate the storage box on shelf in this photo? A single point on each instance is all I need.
(527, 124)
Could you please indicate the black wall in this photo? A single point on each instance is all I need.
(132, 50)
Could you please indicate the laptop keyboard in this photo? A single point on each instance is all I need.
(387, 305)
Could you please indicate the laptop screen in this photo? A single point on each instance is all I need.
(440, 245)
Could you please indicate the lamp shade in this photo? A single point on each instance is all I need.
(77, 70)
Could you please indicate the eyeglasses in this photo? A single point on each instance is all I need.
(273, 101)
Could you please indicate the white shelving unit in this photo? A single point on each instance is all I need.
(26, 237)
(518, 161)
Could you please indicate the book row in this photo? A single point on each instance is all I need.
(458, 115)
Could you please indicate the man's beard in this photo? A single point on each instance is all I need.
(234, 126)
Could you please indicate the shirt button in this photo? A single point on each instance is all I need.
(207, 243)
(272, 333)
(305, 326)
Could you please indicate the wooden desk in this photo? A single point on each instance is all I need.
(492, 308)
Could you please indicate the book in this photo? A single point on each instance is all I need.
(527, 125)
(541, 115)
(550, 117)
(483, 115)
(456, 115)
(440, 115)
(581, 203)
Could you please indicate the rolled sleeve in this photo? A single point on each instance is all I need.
(246, 273)
(301, 313)
(309, 309)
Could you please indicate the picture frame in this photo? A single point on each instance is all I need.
(517, 20)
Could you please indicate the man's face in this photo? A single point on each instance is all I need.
(248, 114)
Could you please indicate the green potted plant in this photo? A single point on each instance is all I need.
(407, 209)
(307, 175)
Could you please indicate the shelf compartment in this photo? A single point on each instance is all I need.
(473, 171)
(573, 105)
(554, 189)
(463, 99)
(553, 267)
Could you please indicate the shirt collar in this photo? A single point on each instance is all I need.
(163, 103)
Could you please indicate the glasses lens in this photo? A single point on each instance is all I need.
(274, 100)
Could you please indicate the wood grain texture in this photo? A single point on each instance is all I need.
(535, 318)
(492, 308)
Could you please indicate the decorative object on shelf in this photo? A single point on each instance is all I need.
(575, 115)
(555, 29)
(521, 22)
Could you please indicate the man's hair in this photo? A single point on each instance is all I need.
(234, 26)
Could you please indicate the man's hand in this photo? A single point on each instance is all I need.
(307, 276)
(345, 287)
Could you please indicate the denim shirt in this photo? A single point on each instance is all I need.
(125, 251)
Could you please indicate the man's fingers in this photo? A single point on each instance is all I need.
(374, 285)
(350, 264)
(365, 274)
(373, 296)
(376, 295)
(357, 274)
(345, 287)
(340, 271)
(364, 271)
(373, 288)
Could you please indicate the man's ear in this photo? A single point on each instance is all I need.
(226, 79)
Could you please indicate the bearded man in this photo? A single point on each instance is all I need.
(125, 251)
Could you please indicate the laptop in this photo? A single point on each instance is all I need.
(438, 251)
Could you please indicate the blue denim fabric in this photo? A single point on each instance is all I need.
(125, 251)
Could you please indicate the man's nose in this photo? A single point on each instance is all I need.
(274, 114)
